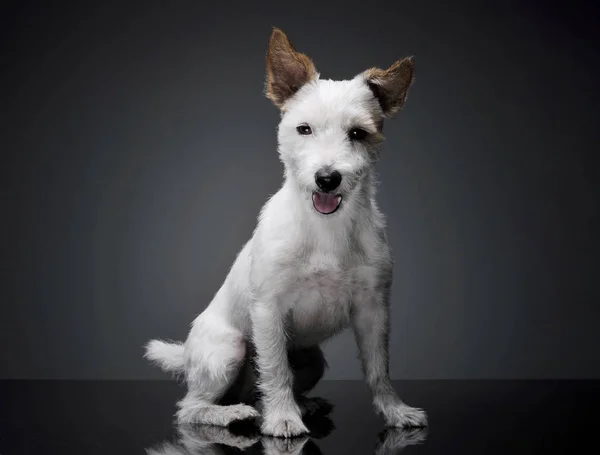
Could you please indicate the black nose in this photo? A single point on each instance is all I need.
(328, 181)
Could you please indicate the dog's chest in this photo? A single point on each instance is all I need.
(321, 298)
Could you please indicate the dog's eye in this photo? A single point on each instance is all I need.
(357, 134)
(304, 130)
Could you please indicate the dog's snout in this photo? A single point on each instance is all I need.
(328, 180)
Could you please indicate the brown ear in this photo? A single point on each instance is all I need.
(287, 69)
(390, 86)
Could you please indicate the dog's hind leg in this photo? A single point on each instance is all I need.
(214, 353)
(308, 365)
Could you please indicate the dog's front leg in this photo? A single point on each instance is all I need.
(281, 414)
(371, 328)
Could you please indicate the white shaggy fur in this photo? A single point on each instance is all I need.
(303, 276)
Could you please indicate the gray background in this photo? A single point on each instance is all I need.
(137, 149)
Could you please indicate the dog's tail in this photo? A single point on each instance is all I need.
(168, 356)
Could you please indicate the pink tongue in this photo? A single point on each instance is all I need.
(325, 202)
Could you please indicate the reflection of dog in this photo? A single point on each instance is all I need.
(217, 440)
(394, 440)
(214, 440)
(204, 440)
(317, 263)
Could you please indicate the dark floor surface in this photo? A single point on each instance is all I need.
(465, 417)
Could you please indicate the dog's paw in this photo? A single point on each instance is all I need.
(238, 412)
(310, 406)
(286, 425)
(216, 415)
(404, 416)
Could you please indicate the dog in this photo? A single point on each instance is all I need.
(318, 261)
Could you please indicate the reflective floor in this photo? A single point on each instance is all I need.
(465, 417)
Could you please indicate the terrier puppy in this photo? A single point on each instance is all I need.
(318, 260)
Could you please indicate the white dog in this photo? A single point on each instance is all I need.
(318, 260)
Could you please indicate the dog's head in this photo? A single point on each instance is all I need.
(330, 131)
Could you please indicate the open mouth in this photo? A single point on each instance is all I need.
(326, 203)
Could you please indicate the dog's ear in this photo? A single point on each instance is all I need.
(390, 86)
(287, 69)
